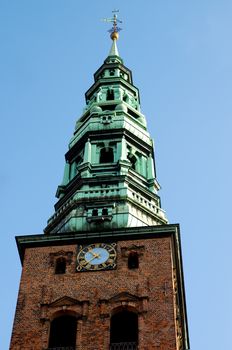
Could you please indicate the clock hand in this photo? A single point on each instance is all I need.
(88, 261)
(90, 251)
(94, 256)
(97, 255)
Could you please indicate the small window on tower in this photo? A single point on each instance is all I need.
(104, 211)
(107, 155)
(63, 333)
(60, 266)
(133, 261)
(124, 330)
(95, 212)
(110, 95)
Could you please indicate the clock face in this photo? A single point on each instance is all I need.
(96, 256)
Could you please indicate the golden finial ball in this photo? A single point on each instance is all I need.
(114, 35)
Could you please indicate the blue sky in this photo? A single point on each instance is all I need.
(181, 56)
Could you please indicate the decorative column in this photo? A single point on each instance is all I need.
(87, 153)
(150, 168)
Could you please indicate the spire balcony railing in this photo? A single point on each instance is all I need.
(124, 346)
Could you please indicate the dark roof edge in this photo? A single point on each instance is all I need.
(41, 240)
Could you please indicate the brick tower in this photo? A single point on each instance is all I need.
(107, 272)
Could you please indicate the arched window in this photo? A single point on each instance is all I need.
(133, 260)
(63, 333)
(60, 266)
(124, 330)
(107, 155)
(132, 158)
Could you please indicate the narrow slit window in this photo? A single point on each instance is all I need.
(110, 95)
(133, 261)
(60, 266)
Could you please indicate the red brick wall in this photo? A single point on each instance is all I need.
(93, 296)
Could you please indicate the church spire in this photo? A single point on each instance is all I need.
(109, 178)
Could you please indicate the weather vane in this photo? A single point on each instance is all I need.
(115, 29)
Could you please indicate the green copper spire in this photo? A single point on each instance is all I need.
(109, 179)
